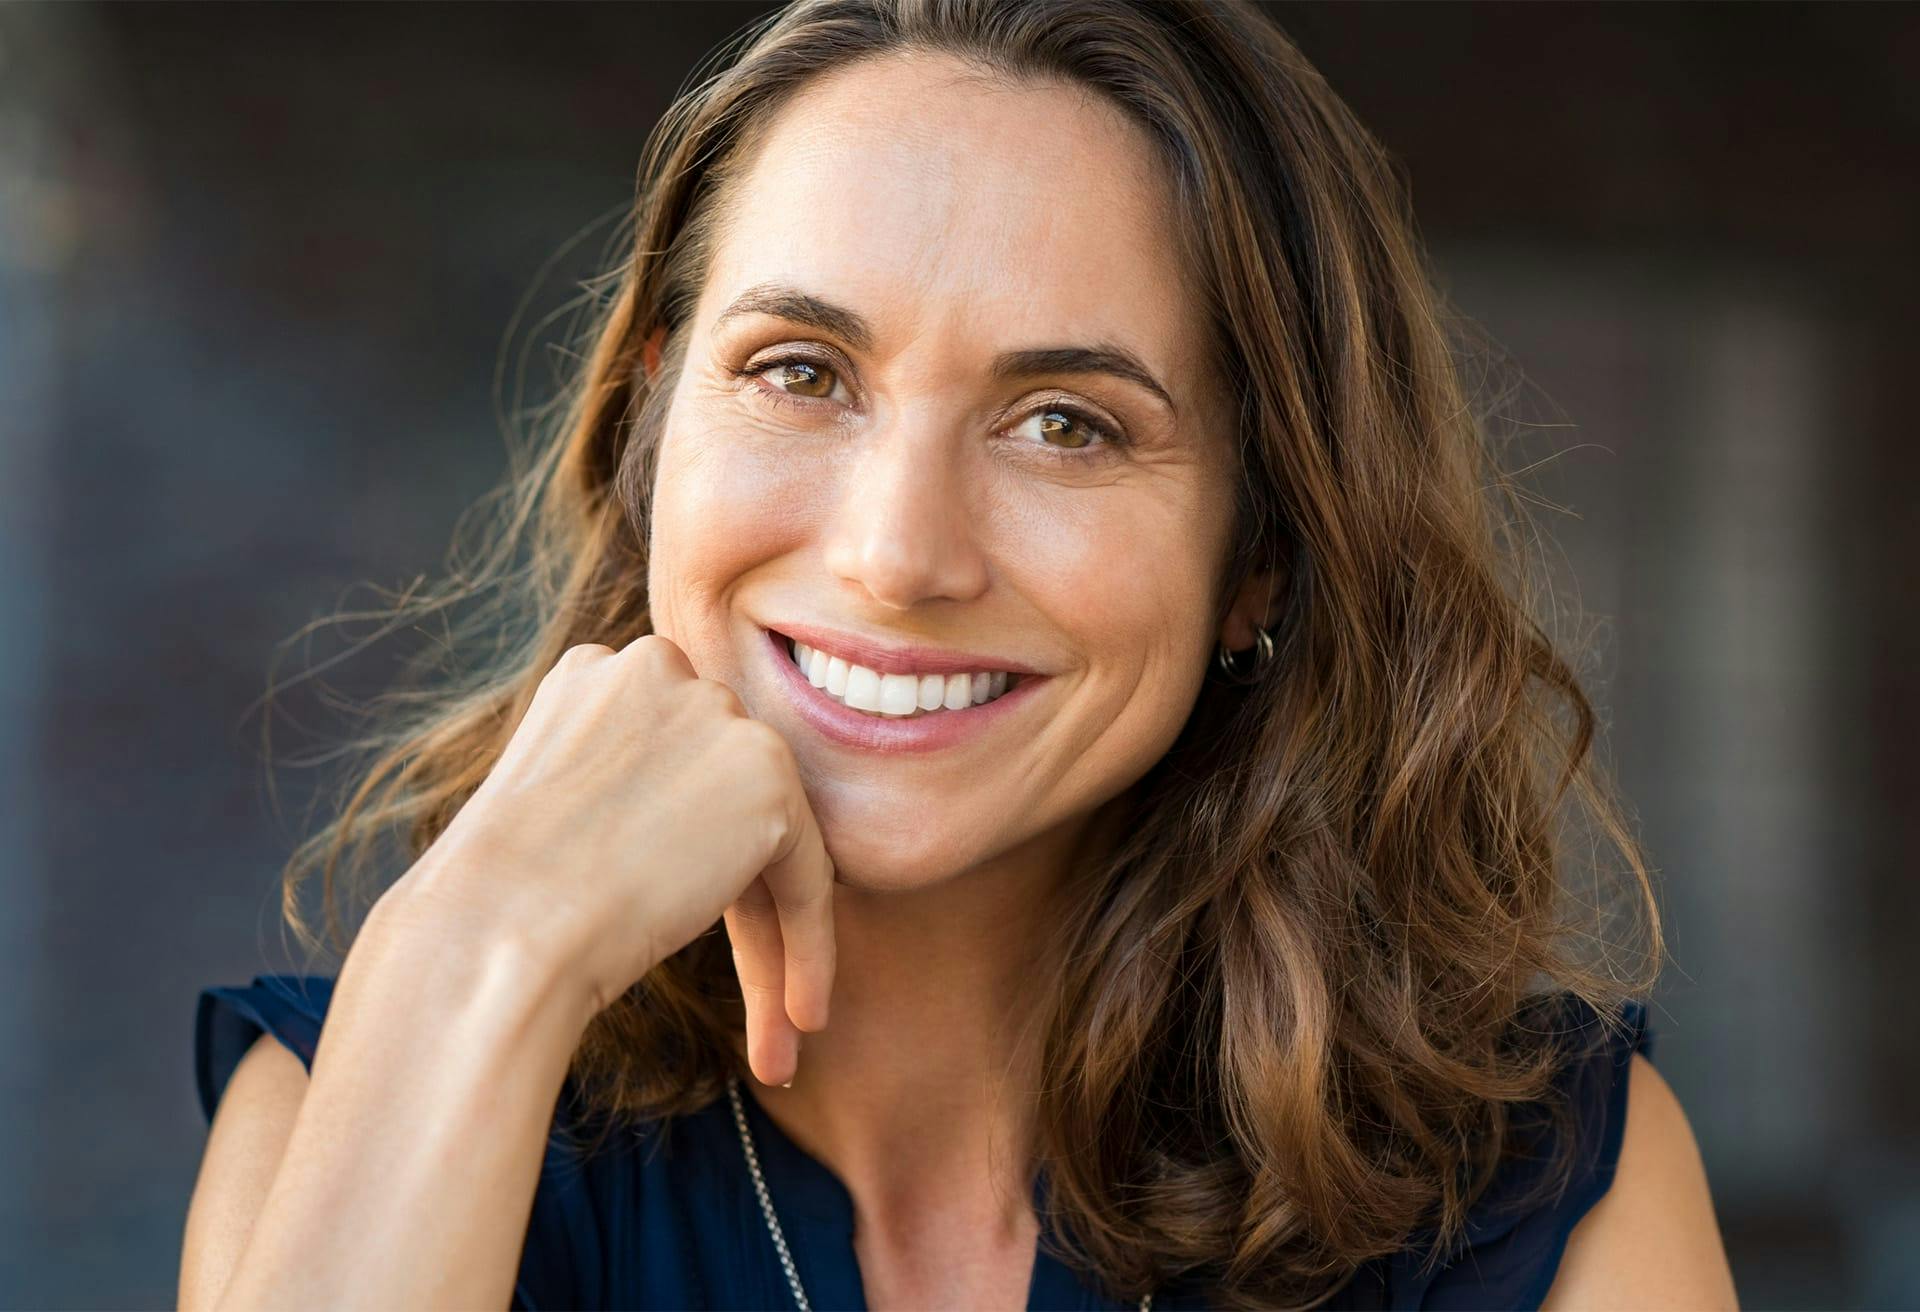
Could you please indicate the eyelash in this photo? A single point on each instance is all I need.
(1109, 438)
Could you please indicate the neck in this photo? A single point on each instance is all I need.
(918, 1094)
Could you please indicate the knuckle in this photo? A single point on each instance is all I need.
(724, 699)
(806, 902)
(749, 916)
(577, 656)
(764, 743)
(761, 989)
(803, 952)
(657, 653)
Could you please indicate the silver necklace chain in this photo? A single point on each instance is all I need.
(766, 1203)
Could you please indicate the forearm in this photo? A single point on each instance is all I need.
(408, 1177)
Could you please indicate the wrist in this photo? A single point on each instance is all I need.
(429, 942)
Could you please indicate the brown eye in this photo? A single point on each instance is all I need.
(801, 377)
(1059, 423)
(1059, 430)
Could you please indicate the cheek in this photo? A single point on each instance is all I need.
(1128, 580)
(720, 508)
(1127, 570)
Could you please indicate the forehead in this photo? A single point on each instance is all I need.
(948, 207)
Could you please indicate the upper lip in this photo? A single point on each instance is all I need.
(884, 657)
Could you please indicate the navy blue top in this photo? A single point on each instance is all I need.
(669, 1219)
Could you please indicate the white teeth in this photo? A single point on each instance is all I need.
(813, 662)
(899, 694)
(895, 695)
(863, 688)
(933, 689)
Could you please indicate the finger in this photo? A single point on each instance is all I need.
(801, 884)
(773, 1044)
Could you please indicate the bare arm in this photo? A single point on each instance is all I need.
(1651, 1240)
(402, 1174)
(244, 1147)
(635, 805)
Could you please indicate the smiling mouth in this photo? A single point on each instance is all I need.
(895, 696)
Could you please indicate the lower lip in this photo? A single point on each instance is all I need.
(840, 723)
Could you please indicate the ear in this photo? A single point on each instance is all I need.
(650, 350)
(1256, 604)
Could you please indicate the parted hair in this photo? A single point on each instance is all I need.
(1297, 1012)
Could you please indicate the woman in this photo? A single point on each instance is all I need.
(1016, 558)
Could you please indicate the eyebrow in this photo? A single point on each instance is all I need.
(801, 307)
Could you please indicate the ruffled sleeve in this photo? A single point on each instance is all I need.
(292, 1008)
(1510, 1251)
(228, 1019)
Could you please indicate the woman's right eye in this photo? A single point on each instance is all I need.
(796, 376)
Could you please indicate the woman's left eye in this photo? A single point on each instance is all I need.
(1075, 429)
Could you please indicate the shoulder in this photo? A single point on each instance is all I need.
(254, 1045)
(1605, 1206)
(230, 1019)
(1651, 1238)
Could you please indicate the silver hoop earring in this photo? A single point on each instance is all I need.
(1263, 654)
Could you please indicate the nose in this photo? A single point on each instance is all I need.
(902, 529)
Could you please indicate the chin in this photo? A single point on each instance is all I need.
(869, 863)
(880, 854)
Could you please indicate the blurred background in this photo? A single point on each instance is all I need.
(270, 278)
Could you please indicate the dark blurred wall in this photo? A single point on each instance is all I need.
(259, 269)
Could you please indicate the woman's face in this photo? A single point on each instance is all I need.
(851, 448)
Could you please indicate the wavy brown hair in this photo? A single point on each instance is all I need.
(1297, 1009)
